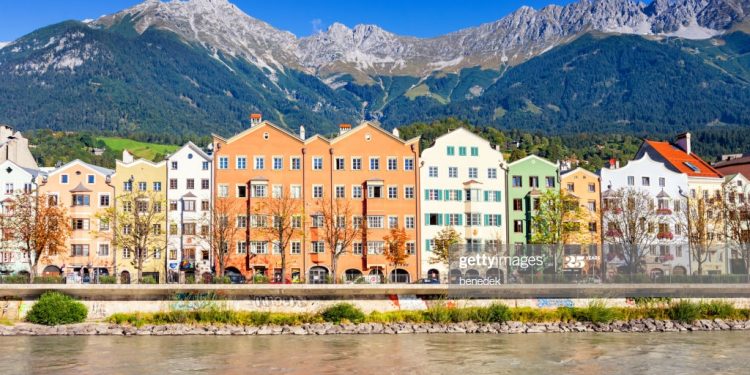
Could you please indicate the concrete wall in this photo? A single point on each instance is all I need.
(103, 301)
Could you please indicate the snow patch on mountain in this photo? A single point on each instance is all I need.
(4, 44)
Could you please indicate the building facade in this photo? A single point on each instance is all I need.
(463, 185)
(140, 190)
(15, 147)
(86, 192)
(528, 178)
(189, 194)
(668, 251)
(705, 184)
(583, 235)
(14, 180)
(370, 169)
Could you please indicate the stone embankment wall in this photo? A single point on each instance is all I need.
(633, 326)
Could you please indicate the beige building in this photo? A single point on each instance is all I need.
(14, 147)
(141, 182)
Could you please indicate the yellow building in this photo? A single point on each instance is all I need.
(583, 235)
(140, 189)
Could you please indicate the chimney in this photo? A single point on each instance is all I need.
(344, 128)
(683, 142)
(302, 132)
(255, 119)
(396, 133)
(614, 163)
(127, 157)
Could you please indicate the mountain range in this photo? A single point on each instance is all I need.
(200, 66)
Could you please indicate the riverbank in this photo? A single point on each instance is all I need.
(631, 326)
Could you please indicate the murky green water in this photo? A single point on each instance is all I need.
(663, 354)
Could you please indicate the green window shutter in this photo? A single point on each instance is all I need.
(499, 219)
(486, 220)
(459, 195)
(440, 219)
(427, 245)
(426, 194)
(440, 195)
(460, 219)
(486, 195)
(427, 219)
(498, 196)
(447, 194)
(447, 219)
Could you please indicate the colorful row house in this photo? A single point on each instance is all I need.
(369, 175)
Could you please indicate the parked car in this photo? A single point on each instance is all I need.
(236, 278)
(428, 280)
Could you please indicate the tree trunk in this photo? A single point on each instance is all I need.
(333, 266)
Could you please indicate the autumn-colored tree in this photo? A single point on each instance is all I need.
(703, 221)
(286, 214)
(136, 221)
(40, 224)
(395, 246)
(737, 224)
(628, 216)
(444, 240)
(339, 228)
(222, 229)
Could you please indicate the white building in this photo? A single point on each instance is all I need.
(15, 147)
(14, 180)
(666, 256)
(463, 186)
(188, 252)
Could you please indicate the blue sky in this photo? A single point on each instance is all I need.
(302, 17)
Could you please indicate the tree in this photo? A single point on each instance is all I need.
(339, 228)
(737, 223)
(41, 225)
(629, 218)
(557, 219)
(136, 221)
(395, 246)
(222, 229)
(444, 240)
(703, 219)
(286, 213)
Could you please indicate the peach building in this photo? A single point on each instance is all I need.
(583, 235)
(371, 168)
(85, 190)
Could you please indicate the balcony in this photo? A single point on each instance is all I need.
(663, 211)
(665, 236)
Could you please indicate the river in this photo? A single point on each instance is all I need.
(652, 353)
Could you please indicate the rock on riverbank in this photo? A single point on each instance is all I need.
(638, 325)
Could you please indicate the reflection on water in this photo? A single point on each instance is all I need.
(665, 353)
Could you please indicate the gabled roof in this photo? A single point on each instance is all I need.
(368, 124)
(579, 169)
(192, 146)
(101, 170)
(689, 164)
(532, 156)
(255, 128)
(31, 171)
(745, 159)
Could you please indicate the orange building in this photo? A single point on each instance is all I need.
(370, 168)
(86, 192)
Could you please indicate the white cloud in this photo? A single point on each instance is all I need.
(315, 23)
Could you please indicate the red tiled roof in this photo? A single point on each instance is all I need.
(677, 157)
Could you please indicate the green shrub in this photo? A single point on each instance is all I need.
(190, 279)
(221, 280)
(15, 279)
(719, 309)
(105, 279)
(148, 280)
(260, 279)
(498, 313)
(341, 311)
(684, 311)
(55, 308)
(49, 280)
(596, 312)
(438, 313)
